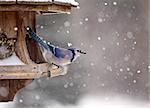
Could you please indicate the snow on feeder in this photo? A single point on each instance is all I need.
(19, 64)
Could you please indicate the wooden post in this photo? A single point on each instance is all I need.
(8, 21)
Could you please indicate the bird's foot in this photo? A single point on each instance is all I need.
(57, 66)
(49, 74)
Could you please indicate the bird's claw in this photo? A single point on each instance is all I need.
(49, 74)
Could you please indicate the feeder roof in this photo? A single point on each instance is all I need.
(38, 5)
(38, 2)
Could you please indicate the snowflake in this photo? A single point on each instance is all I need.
(78, 7)
(134, 81)
(53, 22)
(84, 85)
(121, 70)
(92, 64)
(58, 31)
(100, 20)
(99, 38)
(133, 7)
(88, 75)
(105, 3)
(138, 71)
(37, 97)
(117, 34)
(15, 28)
(115, 3)
(130, 35)
(102, 84)
(68, 13)
(109, 68)
(82, 44)
(67, 24)
(103, 48)
(20, 100)
(135, 42)
(104, 57)
(118, 43)
(66, 85)
(68, 31)
(69, 44)
(128, 69)
(80, 23)
(41, 27)
(86, 19)
(71, 84)
(124, 39)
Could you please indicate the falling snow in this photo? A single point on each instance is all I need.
(67, 24)
(20, 100)
(109, 68)
(67, 31)
(130, 35)
(118, 43)
(69, 44)
(121, 70)
(138, 71)
(134, 81)
(99, 38)
(114, 35)
(100, 20)
(37, 97)
(41, 27)
(105, 3)
(103, 48)
(114, 3)
(66, 85)
(86, 19)
(84, 85)
(15, 28)
(92, 64)
(128, 69)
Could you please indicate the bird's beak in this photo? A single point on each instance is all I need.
(82, 52)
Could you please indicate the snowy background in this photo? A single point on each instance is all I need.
(113, 74)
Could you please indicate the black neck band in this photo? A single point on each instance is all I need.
(73, 52)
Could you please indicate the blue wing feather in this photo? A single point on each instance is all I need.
(59, 53)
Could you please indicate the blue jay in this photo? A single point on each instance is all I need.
(60, 57)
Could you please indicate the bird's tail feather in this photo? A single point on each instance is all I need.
(36, 37)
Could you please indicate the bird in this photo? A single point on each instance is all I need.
(55, 55)
(6, 46)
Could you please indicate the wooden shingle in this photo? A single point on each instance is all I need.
(42, 6)
(40, 2)
(7, 1)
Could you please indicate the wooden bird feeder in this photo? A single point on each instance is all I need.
(14, 16)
